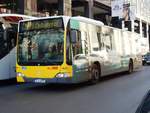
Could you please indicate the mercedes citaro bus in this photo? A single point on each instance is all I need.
(63, 49)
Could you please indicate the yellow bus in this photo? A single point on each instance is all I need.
(64, 49)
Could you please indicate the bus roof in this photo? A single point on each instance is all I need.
(87, 20)
(79, 18)
(14, 17)
(41, 18)
(17, 15)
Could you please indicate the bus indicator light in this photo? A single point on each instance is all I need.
(62, 75)
(55, 68)
(20, 75)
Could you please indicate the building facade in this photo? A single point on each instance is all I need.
(141, 22)
(96, 9)
(88, 8)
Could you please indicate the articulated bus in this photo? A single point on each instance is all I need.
(8, 36)
(63, 49)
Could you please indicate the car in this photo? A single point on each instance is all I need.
(146, 58)
(144, 106)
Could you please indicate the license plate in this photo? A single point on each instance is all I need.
(40, 81)
(147, 61)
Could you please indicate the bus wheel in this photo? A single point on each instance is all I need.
(95, 74)
(130, 67)
(143, 63)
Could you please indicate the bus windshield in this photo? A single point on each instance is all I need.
(41, 46)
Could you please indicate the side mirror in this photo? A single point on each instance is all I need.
(73, 36)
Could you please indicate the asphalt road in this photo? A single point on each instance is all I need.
(120, 93)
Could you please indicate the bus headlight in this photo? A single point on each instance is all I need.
(62, 75)
(20, 75)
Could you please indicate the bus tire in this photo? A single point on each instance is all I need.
(95, 74)
(143, 63)
(130, 67)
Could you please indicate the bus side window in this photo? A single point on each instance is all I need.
(3, 43)
(68, 50)
(77, 45)
(99, 41)
(102, 42)
(11, 35)
(84, 42)
(106, 42)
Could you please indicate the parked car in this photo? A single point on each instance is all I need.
(146, 59)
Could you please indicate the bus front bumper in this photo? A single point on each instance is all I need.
(67, 80)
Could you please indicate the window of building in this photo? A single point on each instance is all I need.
(10, 6)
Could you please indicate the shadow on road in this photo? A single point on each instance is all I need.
(9, 82)
(117, 75)
(73, 87)
(59, 87)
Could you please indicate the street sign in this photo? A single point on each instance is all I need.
(117, 8)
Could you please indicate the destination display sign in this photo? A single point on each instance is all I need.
(41, 24)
